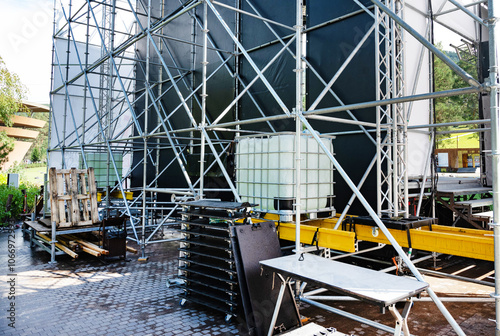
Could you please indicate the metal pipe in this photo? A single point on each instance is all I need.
(468, 12)
(125, 45)
(252, 15)
(398, 100)
(393, 268)
(455, 123)
(493, 84)
(345, 121)
(222, 167)
(235, 74)
(428, 158)
(457, 277)
(349, 315)
(298, 124)
(342, 68)
(204, 63)
(375, 248)
(92, 99)
(249, 85)
(459, 71)
(278, 305)
(353, 197)
(249, 59)
(356, 106)
(456, 9)
(309, 65)
(421, 299)
(383, 228)
(474, 130)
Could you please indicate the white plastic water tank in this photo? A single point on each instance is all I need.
(265, 172)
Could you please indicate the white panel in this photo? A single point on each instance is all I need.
(457, 21)
(68, 109)
(417, 81)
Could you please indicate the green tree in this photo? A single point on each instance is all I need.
(36, 154)
(6, 146)
(456, 108)
(12, 92)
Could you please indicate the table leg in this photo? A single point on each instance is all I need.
(401, 319)
(278, 305)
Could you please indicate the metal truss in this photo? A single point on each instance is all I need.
(392, 175)
(116, 65)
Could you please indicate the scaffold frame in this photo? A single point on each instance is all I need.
(105, 99)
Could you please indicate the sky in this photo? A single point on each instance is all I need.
(26, 43)
(26, 47)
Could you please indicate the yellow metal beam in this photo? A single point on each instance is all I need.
(329, 238)
(470, 243)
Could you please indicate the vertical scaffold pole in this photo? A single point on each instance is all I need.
(298, 123)
(493, 17)
(145, 149)
(203, 97)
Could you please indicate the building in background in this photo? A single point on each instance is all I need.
(24, 131)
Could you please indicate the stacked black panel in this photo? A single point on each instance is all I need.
(207, 261)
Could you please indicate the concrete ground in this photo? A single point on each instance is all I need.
(88, 296)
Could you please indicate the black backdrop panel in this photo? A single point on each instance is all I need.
(255, 34)
(185, 60)
(327, 49)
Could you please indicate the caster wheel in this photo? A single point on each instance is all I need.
(182, 302)
(167, 283)
(228, 318)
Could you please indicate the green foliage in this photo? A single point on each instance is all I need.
(12, 93)
(42, 139)
(456, 108)
(6, 146)
(36, 154)
(16, 168)
(17, 204)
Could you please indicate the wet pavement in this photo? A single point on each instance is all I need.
(88, 296)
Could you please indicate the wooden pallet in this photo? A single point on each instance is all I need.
(73, 197)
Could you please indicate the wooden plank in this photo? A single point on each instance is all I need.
(87, 244)
(58, 245)
(68, 171)
(84, 198)
(54, 206)
(69, 204)
(83, 223)
(65, 225)
(75, 206)
(60, 191)
(94, 211)
(63, 171)
(64, 197)
(131, 249)
(91, 251)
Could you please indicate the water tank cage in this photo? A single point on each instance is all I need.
(265, 173)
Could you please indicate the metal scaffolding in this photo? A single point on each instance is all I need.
(133, 82)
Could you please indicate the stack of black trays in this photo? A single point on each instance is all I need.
(207, 262)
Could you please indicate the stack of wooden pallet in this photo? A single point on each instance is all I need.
(73, 197)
